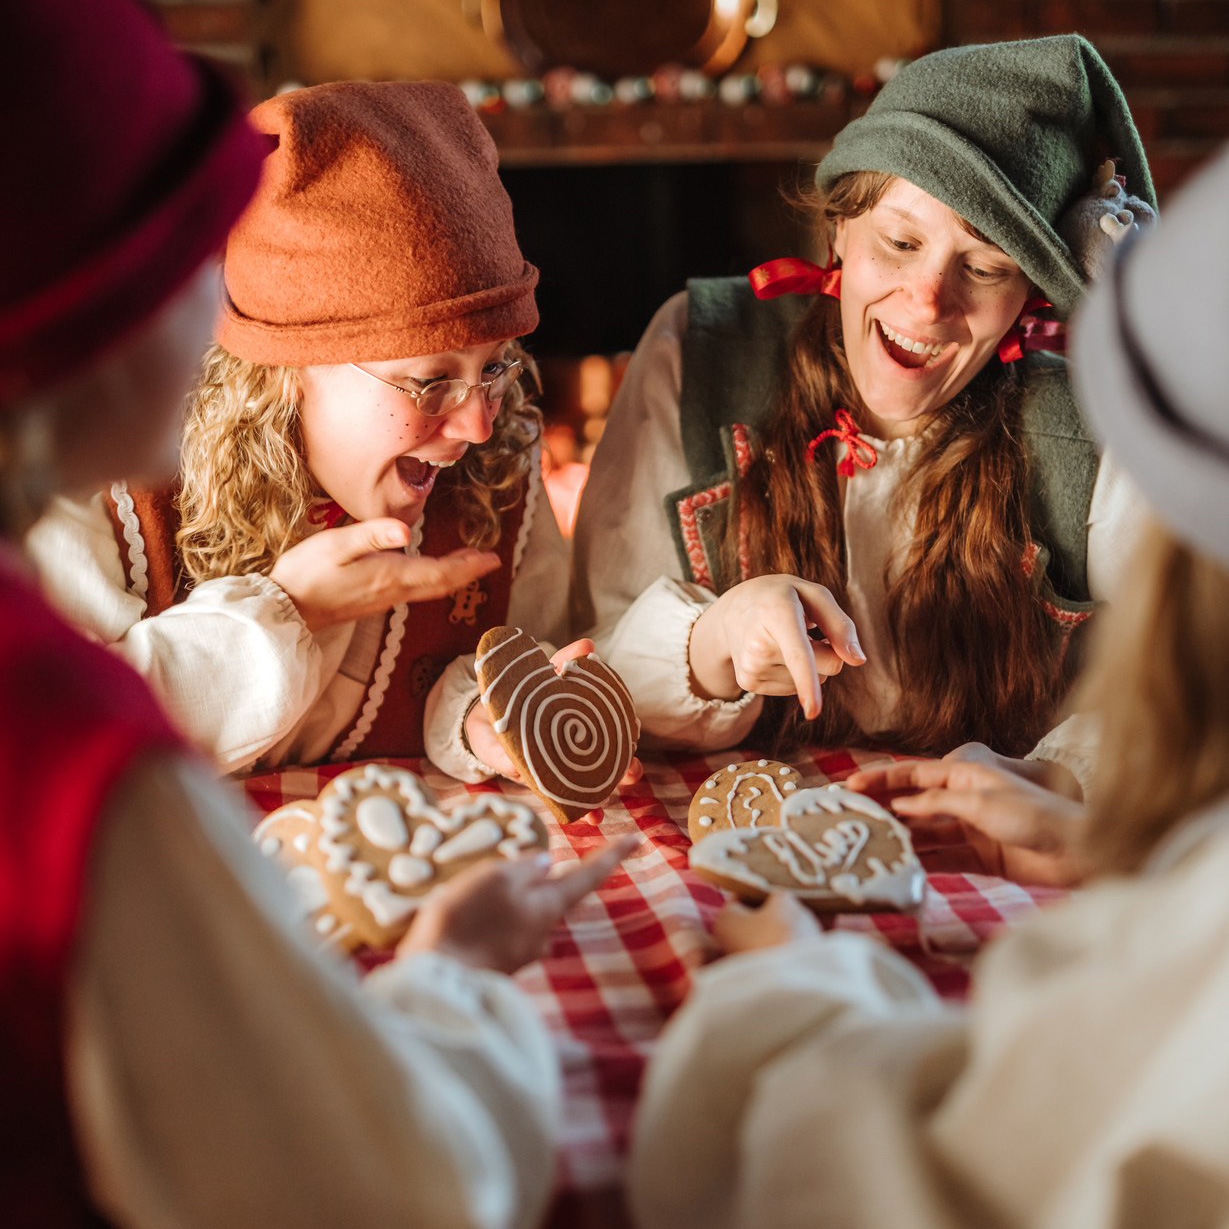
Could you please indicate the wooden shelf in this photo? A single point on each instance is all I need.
(709, 131)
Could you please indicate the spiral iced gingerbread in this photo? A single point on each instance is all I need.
(573, 733)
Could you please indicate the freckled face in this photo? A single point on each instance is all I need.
(923, 305)
(369, 447)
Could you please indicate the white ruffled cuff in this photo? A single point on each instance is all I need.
(448, 704)
(1074, 745)
(648, 647)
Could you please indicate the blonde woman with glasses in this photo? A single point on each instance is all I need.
(359, 494)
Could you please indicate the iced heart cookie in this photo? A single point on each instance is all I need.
(571, 735)
(362, 855)
(837, 851)
(747, 795)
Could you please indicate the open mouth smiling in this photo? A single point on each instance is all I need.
(420, 475)
(907, 351)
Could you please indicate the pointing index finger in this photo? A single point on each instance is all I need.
(823, 610)
(789, 631)
(576, 880)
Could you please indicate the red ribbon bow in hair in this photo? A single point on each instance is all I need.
(1029, 333)
(792, 276)
(327, 514)
(857, 450)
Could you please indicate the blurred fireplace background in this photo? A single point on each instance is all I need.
(644, 142)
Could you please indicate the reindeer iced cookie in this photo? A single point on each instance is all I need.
(836, 850)
(571, 735)
(746, 795)
(362, 855)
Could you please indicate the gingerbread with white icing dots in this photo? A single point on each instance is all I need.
(745, 795)
(362, 855)
(835, 850)
(571, 733)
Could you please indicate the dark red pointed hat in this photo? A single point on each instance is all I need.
(125, 161)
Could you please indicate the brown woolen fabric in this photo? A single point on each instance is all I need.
(380, 231)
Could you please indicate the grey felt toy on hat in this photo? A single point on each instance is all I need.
(1009, 135)
(1102, 218)
(1148, 362)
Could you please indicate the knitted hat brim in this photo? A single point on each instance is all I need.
(1184, 482)
(901, 143)
(435, 328)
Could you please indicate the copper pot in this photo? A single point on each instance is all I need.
(619, 38)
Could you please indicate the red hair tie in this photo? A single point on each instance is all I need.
(790, 275)
(857, 450)
(1030, 333)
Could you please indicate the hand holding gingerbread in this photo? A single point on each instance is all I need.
(571, 733)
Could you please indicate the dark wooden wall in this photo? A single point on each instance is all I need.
(1171, 57)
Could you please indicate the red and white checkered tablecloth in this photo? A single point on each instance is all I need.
(620, 963)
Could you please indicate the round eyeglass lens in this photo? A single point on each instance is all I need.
(446, 395)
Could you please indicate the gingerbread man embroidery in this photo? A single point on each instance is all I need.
(465, 603)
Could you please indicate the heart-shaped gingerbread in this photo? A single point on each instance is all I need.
(836, 850)
(362, 855)
(746, 795)
(570, 734)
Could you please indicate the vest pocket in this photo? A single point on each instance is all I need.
(1066, 613)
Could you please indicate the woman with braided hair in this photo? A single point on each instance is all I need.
(873, 474)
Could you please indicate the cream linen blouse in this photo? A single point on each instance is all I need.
(1085, 1087)
(220, 1072)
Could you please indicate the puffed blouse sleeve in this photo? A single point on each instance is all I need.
(234, 664)
(1083, 1087)
(222, 1072)
(628, 592)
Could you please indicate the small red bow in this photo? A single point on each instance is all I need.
(790, 275)
(1029, 333)
(327, 514)
(857, 450)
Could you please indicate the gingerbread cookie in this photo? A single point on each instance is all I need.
(746, 795)
(362, 855)
(570, 734)
(836, 850)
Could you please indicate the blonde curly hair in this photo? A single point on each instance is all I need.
(246, 490)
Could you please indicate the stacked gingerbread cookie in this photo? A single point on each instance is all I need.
(362, 855)
(756, 830)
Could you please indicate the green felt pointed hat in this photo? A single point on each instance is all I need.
(1006, 134)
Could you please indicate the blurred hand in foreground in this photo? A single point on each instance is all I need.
(500, 915)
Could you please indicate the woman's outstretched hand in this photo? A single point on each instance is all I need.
(361, 569)
(499, 915)
(1020, 829)
(755, 637)
(484, 743)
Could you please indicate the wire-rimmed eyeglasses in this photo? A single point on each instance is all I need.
(441, 397)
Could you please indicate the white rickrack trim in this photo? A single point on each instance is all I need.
(138, 564)
(384, 668)
(532, 492)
